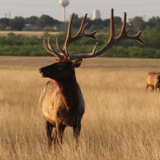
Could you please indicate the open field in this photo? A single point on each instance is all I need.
(26, 33)
(121, 121)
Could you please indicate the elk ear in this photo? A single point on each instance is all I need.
(77, 63)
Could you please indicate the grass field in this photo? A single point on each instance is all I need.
(121, 121)
(26, 33)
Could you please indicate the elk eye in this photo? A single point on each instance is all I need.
(61, 66)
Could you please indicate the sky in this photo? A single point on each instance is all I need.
(26, 8)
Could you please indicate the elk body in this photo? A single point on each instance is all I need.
(153, 80)
(61, 99)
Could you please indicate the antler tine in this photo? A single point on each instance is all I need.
(69, 28)
(123, 33)
(111, 37)
(50, 49)
(59, 47)
(81, 32)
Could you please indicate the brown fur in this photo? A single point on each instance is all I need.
(61, 100)
(153, 80)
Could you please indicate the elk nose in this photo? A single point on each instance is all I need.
(41, 70)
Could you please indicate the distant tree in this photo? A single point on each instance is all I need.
(31, 20)
(138, 23)
(98, 24)
(47, 21)
(154, 22)
(117, 20)
(106, 22)
(4, 22)
(17, 23)
(76, 21)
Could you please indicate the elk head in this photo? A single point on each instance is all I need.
(60, 70)
(66, 61)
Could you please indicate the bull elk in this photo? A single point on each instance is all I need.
(61, 99)
(153, 80)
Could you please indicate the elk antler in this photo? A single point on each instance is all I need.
(69, 39)
(50, 49)
(81, 33)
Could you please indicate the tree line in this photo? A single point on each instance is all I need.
(19, 45)
(44, 21)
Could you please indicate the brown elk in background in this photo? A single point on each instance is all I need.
(61, 99)
(153, 80)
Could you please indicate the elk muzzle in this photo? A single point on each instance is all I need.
(41, 71)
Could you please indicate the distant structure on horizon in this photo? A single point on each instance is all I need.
(64, 4)
(96, 14)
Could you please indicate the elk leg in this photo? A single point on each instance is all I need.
(55, 140)
(76, 131)
(58, 134)
(147, 86)
(152, 88)
(155, 88)
(48, 128)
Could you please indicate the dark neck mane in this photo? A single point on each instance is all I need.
(69, 89)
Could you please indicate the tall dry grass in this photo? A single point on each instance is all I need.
(121, 122)
(27, 33)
